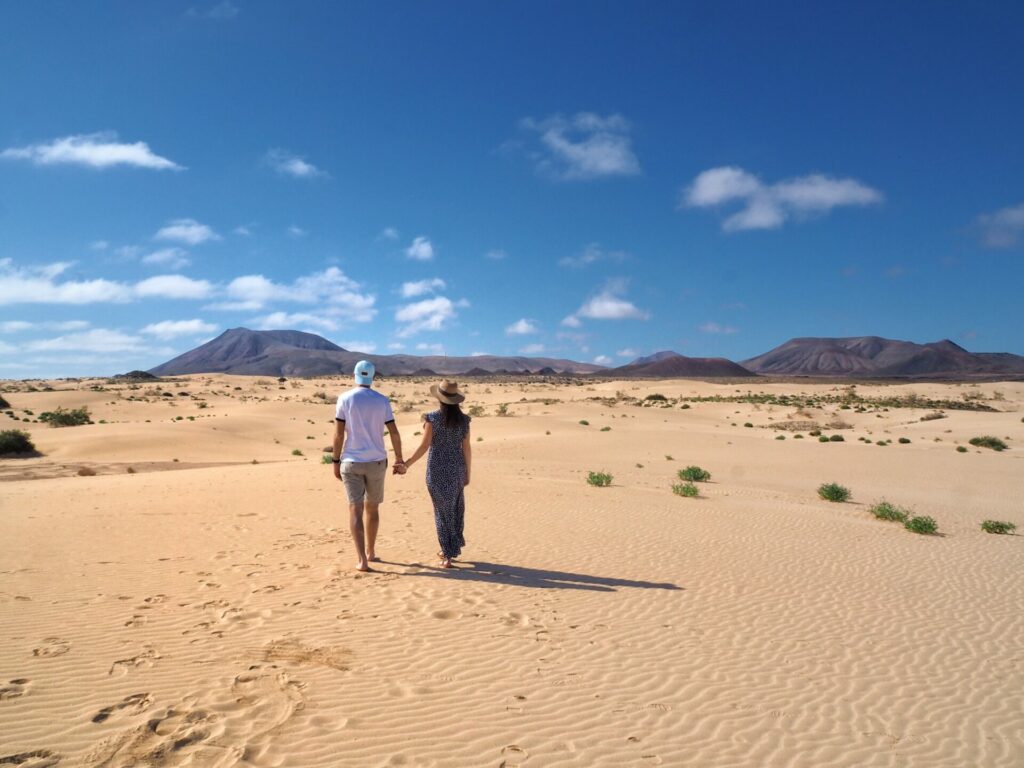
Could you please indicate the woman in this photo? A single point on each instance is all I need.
(446, 435)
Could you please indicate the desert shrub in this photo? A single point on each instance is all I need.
(836, 439)
(599, 479)
(66, 418)
(296, 452)
(502, 410)
(822, 439)
(584, 422)
(883, 510)
(903, 440)
(988, 441)
(320, 394)
(685, 407)
(15, 441)
(668, 457)
(130, 470)
(86, 472)
(694, 474)
(780, 437)
(475, 411)
(933, 416)
(325, 459)
(924, 524)
(815, 433)
(656, 396)
(833, 492)
(961, 449)
(606, 429)
(689, 490)
(998, 526)
(747, 424)
(798, 436)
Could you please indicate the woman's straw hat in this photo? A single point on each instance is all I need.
(447, 392)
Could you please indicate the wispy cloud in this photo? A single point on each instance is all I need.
(95, 340)
(172, 329)
(92, 150)
(713, 327)
(358, 346)
(584, 146)
(591, 254)
(388, 233)
(522, 327)
(603, 360)
(608, 304)
(222, 11)
(331, 288)
(496, 254)
(769, 206)
(99, 245)
(297, 232)
(426, 315)
(172, 258)
(1003, 228)
(532, 349)
(421, 249)
(433, 349)
(40, 285)
(628, 353)
(276, 321)
(288, 164)
(422, 287)
(173, 287)
(188, 231)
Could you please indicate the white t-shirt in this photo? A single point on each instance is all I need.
(365, 412)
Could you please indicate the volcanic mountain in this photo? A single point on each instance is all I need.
(872, 356)
(296, 353)
(669, 364)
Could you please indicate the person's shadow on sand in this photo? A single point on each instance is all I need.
(494, 573)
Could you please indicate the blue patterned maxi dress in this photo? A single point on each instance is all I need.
(446, 475)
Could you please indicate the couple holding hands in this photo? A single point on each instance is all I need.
(360, 462)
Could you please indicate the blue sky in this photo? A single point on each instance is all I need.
(589, 180)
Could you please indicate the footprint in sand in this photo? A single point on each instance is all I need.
(138, 620)
(14, 689)
(143, 660)
(52, 646)
(512, 755)
(38, 758)
(129, 705)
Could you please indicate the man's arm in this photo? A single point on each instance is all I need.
(396, 443)
(339, 442)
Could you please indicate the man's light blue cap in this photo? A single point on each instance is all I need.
(365, 372)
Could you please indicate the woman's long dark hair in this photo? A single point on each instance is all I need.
(453, 415)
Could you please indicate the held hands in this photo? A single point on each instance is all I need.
(399, 469)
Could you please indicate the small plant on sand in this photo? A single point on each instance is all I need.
(656, 396)
(836, 439)
(325, 459)
(689, 490)
(475, 411)
(747, 424)
(668, 458)
(903, 440)
(599, 479)
(961, 449)
(66, 418)
(833, 492)
(883, 510)
(86, 472)
(296, 452)
(924, 525)
(998, 526)
(606, 429)
(822, 439)
(694, 474)
(15, 441)
(584, 422)
(988, 441)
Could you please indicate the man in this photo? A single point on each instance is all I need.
(359, 421)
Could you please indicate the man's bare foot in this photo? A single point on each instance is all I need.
(373, 558)
(364, 567)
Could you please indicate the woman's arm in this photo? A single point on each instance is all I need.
(467, 454)
(428, 433)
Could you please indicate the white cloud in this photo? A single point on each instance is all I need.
(99, 245)
(479, 354)
(421, 287)
(1003, 228)
(287, 164)
(173, 287)
(295, 231)
(603, 360)
(95, 340)
(770, 206)
(571, 321)
(15, 326)
(522, 327)
(396, 346)
(338, 293)
(7, 349)
(532, 349)
(434, 349)
(427, 315)
(496, 254)
(713, 327)
(358, 346)
(93, 150)
(420, 249)
(172, 329)
(607, 305)
(630, 353)
(243, 231)
(188, 231)
(585, 146)
(590, 254)
(287, 320)
(172, 258)
(388, 233)
(38, 285)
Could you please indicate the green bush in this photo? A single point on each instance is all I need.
(656, 396)
(822, 439)
(961, 449)
(606, 429)
(15, 441)
(599, 479)
(924, 525)
(903, 440)
(325, 458)
(998, 526)
(75, 417)
(836, 439)
(833, 492)
(780, 437)
(883, 510)
(747, 424)
(694, 474)
(296, 452)
(584, 422)
(988, 442)
(689, 490)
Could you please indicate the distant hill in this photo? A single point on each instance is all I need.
(295, 353)
(673, 365)
(872, 356)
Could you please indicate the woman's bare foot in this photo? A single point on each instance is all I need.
(373, 558)
(363, 566)
(446, 563)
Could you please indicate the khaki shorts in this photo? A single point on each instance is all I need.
(364, 479)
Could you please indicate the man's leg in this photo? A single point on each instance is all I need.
(372, 518)
(355, 525)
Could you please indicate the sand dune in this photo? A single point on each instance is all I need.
(203, 611)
